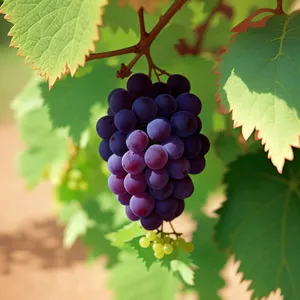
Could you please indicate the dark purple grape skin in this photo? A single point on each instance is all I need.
(167, 105)
(198, 164)
(105, 127)
(135, 184)
(116, 184)
(114, 165)
(157, 179)
(205, 144)
(174, 146)
(145, 109)
(183, 123)
(178, 168)
(167, 208)
(199, 126)
(156, 157)
(159, 88)
(139, 84)
(120, 100)
(183, 188)
(133, 163)
(117, 143)
(178, 84)
(142, 204)
(163, 193)
(192, 146)
(159, 129)
(112, 92)
(189, 102)
(130, 215)
(180, 209)
(104, 150)
(110, 112)
(152, 222)
(137, 141)
(125, 120)
(124, 199)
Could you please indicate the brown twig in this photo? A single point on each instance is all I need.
(183, 48)
(143, 46)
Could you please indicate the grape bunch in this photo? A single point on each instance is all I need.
(152, 141)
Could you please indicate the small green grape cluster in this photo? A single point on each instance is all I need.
(163, 244)
(75, 180)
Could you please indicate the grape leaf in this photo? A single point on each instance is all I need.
(148, 5)
(261, 91)
(130, 281)
(208, 259)
(54, 36)
(184, 270)
(260, 223)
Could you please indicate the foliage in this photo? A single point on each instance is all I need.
(240, 57)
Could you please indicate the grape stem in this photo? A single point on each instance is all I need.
(144, 44)
(174, 231)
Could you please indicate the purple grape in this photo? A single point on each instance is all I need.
(167, 208)
(205, 144)
(145, 109)
(117, 143)
(124, 199)
(125, 120)
(189, 102)
(104, 150)
(163, 193)
(105, 127)
(197, 164)
(152, 222)
(174, 146)
(110, 112)
(159, 88)
(199, 126)
(180, 209)
(112, 92)
(133, 163)
(166, 105)
(178, 84)
(157, 179)
(156, 157)
(184, 123)
(192, 146)
(135, 184)
(159, 129)
(139, 84)
(114, 165)
(142, 205)
(120, 100)
(137, 141)
(130, 215)
(178, 168)
(183, 188)
(116, 184)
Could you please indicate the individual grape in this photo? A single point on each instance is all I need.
(145, 109)
(116, 184)
(130, 215)
(125, 120)
(183, 188)
(158, 88)
(112, 92)
(142, 205)
(151, 222)
(137, 141)
(133, 163)
(178, 84)
(174, 146)
(159, 255)
(104, 150)
(197, 164)
(163, 193)
(166, 105)
(192, 146)
(114, 165)
(120, 100)
(157, 179)
(157, 247)
(189, 247)
(110, 112)
(135, 184)
(144, 242)
(189, 102)
(159, 129)
(205, 144)
(168, 249)
(151, 235)
(156, 157)
(75, 174)
(199, 126)
(124, 199)
(139, 84)
(178, 168)
(167, 208)
(117, 143)
(105, 127)
(183, 123)
(180, 209)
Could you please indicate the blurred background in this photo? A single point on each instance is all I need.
(33, 263)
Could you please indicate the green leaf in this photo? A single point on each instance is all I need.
(208, 259)
(54, 36)
(130, 281)
(184, 270)
(260, 223)
(260, 82)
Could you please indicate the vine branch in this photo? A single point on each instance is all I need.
(144, 44)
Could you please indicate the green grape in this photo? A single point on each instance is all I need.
(168, 249)
(159, 255)
(144, 242)
(83, 185)
(158, 240)
(166, 239)
(158, 248)
(189, 247)
(151, 235)
(72, 185)
(75, 174)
